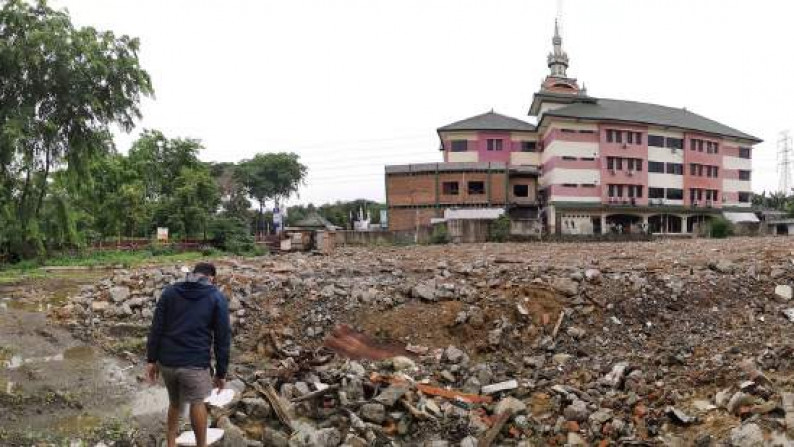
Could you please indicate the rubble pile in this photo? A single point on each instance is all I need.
(673, 342)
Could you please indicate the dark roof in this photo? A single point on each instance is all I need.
(639, 112)
(559, 98)
(489, 121)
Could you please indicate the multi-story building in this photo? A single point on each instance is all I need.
(588, 165)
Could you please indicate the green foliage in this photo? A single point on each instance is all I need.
(338, 213)
(719, 227)
(231, 235)
(271, 176)
(440, 234)
(62, 88)
(499, 229)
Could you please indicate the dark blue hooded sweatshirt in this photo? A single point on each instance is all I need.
(190, 318)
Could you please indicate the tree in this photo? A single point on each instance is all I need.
(61, 88)
(271, 176)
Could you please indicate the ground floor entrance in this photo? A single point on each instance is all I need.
(581, 222)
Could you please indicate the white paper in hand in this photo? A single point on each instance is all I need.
(220, 398)
(188, 438)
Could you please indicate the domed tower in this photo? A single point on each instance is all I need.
(558, 81)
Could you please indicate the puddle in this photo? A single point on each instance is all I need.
(7, 386)
(79, 353)
(80, 423)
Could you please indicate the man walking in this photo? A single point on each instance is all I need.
(191, 318)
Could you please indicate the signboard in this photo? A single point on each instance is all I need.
(278, 220)
(162, 234)
(384, 219)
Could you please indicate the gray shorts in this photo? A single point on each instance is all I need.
(186, 385)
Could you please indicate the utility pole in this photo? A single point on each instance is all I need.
(784, 158)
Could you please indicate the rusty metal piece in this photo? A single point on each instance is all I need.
(349, 343)
(453, 395)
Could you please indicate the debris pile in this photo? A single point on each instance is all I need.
(675, 342)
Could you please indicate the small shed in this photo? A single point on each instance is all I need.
(314, 232)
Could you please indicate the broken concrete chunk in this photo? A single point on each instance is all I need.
(373, 412)
(784, 292)
(679, 416)
(501, 386)
(510, 404)
(391, 395)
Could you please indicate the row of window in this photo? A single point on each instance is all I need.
(569, 158)
(619, 136)
(577, 131)
(700, 145)
(699, 194)
(492, 144)
(699, 170)
(475, 188)
(669, 168)
(669, 193)
(695, 194)
(617, 163)
(632, 191)
(668, 142)
(576, 185)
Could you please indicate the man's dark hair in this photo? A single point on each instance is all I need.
(204, 268)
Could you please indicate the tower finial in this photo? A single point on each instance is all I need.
(558, 59)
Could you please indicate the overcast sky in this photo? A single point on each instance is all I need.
(351, 85)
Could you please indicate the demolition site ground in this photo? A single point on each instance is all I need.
(673, 342)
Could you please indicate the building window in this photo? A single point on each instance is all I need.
(568, 158)
(675, 168)
(587, 185)
(744, 197)
(714, 171)
(711, 195)
(587, 131)
(675, 143)
(744, 152)
(567, 130)
(635, 191)
(529, 146)
(460, 145)
(634, 137)
(476, 188)
(656, 193)
(521, 190)
(744, 175)
(587, 158)
(450, 188)
(494, 144)
(675, 194)
(656, 166)
(655, 141)
(712, 147)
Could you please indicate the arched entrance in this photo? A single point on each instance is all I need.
(665, 224)
(695, 223)
(623, 223)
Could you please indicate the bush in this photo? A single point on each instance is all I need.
(719, 227)
(499, 230)
(231, 235)
(440, 234)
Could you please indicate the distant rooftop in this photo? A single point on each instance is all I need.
(639, 112)
(489, 121)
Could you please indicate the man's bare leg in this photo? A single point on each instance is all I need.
(198, 420)
(173, 425)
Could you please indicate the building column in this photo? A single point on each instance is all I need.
(684, 223)
(604, 229)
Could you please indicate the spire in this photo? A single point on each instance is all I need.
(558, 59)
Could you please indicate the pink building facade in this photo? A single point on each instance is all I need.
(609, 165)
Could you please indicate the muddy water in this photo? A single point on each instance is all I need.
(51, 382)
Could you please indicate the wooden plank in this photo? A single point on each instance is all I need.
(275, 402)
(499, 421)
